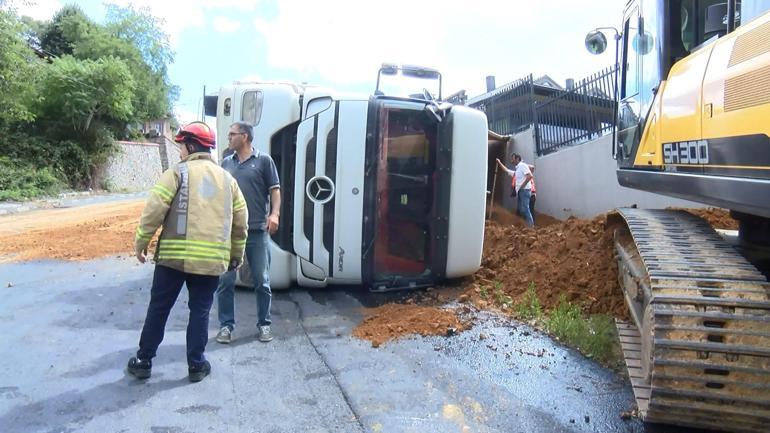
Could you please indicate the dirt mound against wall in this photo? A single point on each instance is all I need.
(573, 258)
(718, 218)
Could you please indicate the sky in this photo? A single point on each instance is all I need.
(340, 44)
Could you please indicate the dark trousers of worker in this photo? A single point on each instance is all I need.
(532, 200)
(166, 286)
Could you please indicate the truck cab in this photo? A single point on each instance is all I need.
(383, 191)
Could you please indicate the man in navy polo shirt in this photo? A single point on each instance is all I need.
(257, 178)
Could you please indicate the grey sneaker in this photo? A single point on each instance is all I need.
(265, 334)
(225, 335)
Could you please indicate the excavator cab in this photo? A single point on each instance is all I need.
(655, 35)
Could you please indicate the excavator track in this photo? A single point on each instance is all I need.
(698, 352)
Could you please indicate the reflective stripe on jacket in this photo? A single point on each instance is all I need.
(203, 215)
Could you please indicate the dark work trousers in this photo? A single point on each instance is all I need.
(166, 285)
(532, 200)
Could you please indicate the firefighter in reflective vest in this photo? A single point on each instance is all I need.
(204, 225)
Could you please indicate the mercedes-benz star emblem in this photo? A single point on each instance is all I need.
(320, 189)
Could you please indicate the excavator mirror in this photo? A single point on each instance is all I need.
(596, 42)
(642, 43)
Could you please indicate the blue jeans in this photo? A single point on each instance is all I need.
(258, 258)
(522, 198)
(166, 286)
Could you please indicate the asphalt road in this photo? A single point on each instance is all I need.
(68, 328)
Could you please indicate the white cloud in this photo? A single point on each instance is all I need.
(242, 5)
(176, 15)
(226, 25)
(41, 10)
(183, 14)
(250, 77)
(345, 41)
(185, 116)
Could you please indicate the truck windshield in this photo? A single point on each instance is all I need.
(405, 185)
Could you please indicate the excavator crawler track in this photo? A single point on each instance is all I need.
(698, 352)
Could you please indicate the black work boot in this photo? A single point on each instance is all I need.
(139, 368)
(196, 373)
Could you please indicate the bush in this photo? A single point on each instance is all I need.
(20, 181)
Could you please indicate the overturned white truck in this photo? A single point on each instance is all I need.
(381, 191)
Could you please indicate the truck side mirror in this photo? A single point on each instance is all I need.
(596, 42)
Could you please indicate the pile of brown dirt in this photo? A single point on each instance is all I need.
(574, 258)
(718, 218)
(80, 233)
(391, 321)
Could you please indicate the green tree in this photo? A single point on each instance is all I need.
(61, 116)
(18, 66)
(81, 91)
(144, 31)
(86, 103)
(134, 36)
(54, 38)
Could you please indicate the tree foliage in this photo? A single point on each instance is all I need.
(81, 91)
(54, 39)
(18, 65)
(144, 32)
(69, 87)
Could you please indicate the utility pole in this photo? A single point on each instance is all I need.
(203, 105)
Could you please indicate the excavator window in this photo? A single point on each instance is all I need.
(700, 21)
(630, 79)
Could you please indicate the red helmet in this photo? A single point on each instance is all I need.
(198, 132)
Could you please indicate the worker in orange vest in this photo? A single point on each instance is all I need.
(521, 186)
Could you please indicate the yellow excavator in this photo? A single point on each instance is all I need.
(693, 121)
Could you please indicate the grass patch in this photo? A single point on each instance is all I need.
(501, 298)
(530, 308)
(594, 336)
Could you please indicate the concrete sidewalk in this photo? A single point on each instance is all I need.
(71, 199)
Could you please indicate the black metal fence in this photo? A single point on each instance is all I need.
(577, 115)
(560, 117)
(509, 108)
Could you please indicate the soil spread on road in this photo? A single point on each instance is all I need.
(572, 258)
(391, 321)
(78, 233)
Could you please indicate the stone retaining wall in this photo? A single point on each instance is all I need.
(136, 167)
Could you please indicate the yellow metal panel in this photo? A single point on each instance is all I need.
(751, 41)
(681, 102)
(650, 150)
(678, 108)
(721, 90)
(737, 82)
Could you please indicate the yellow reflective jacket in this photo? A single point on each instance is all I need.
(204, 217)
